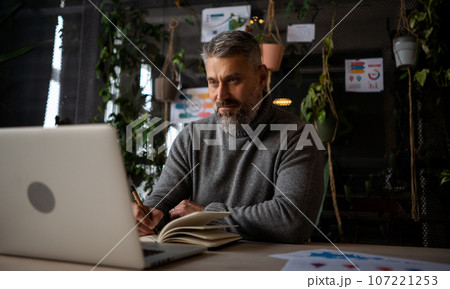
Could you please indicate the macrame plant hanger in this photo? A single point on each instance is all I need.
(403, 25)
(170, 66)
(269, 25)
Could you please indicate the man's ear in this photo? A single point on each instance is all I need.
(263, 73)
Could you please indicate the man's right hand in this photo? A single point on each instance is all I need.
(147, 224)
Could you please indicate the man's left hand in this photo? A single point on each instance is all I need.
(184, 208)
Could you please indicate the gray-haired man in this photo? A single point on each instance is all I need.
(245, 159)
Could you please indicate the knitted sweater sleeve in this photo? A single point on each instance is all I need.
(288, 217)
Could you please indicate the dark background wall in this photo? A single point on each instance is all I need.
(375, 210)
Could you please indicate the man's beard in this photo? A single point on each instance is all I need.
(246, 113)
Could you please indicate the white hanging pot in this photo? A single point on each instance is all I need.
(405, 52)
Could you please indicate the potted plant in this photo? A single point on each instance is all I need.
(425, 23)
(272, 49)
(405, 49)
(405, 44)
(166, 85)
(318, 107)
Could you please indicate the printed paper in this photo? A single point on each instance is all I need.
(333, 260)
(364, 75)
(216, 20)
(193, 105)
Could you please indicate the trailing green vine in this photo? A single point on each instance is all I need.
(119, 69)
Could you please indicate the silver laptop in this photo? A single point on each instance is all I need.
(64, 195)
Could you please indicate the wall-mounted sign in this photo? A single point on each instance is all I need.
(216, 20)
(193, 105)
(301, 33)
(364, 75)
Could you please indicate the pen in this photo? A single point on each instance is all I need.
(141, 205)
(138, 200)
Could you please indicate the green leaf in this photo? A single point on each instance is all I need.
(445, 175)
(178, 60)
(316, 86)
(427, 32)
(189, 20)
(289, 8)
(421, 76)
(321, 116)
(412, 22)
(421, 16)
(426, 49)
(104, 53)
(404, 75)
(15, 53)
(328, 43)
(303, 110)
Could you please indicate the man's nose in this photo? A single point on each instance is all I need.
(223, 92)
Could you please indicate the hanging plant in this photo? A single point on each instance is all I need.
(405, 43)
(316, 108)
(408, 47)
(272, 49)
(119, 69)
(166, 85)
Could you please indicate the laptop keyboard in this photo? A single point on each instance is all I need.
(150, 252)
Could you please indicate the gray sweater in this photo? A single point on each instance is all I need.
(266, 184)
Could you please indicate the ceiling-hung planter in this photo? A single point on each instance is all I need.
(165, 89)
(405, 51)
(272, 55)
(166, 85)
(272, 49)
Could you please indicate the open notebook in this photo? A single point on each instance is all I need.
(193, 229)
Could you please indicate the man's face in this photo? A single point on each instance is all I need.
(235, 88)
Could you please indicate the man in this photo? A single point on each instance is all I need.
(244, 159)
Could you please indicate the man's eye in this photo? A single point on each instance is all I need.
(212, 82)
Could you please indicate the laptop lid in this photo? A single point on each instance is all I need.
(64, 195)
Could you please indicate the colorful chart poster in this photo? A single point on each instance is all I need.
(193, 105)
(364, 75)
(216, 20)
(333, 260)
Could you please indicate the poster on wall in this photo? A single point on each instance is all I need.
(301, 33)
(364, 75)
(216, 20)
(193, 105)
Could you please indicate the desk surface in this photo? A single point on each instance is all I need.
(242, 255)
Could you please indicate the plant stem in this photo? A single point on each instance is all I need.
(414, 202)
(334, 194)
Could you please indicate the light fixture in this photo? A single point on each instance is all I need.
(282, 101)
(255, 19)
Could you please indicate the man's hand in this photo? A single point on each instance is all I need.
(148, 223)
(184, 208)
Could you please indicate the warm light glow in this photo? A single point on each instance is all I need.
(255, 19)
(282, 102)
